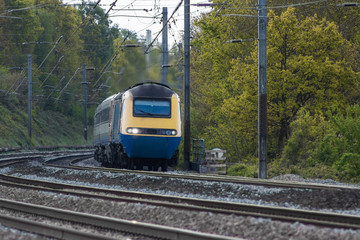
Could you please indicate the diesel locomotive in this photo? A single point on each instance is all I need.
(139, 127)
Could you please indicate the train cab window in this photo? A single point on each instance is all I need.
(152, 108)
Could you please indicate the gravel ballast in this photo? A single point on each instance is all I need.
(230, 225)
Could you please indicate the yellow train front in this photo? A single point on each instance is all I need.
(144, 128)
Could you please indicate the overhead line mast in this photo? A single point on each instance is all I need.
(187, 85)
(262, 90)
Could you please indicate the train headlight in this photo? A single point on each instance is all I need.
(133, 130)
(151, 131)
(170, 132)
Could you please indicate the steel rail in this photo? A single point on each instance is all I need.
(47, 230)
(214, 178)
(284, 214)
(116, 224)
(198, 177)
(43, 148)
(327, 219)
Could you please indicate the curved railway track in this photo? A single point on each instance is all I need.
(211, 178)
(283, 214)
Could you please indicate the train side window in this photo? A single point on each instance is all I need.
(97, 118)
(116, 118)
(122, 107)
(120, 110)
(105, 115)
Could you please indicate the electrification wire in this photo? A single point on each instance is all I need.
(47, 77)
(57, 42)
(27, 8)
(77, 30)
(111, 7)
(131, 16)
(298, 4)
(62, 79)
(178, 6)
(86, 19)
(111, 59)
(138, 17)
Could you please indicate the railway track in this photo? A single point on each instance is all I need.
(211, 178)
(283, 214)
(112, 224)
(54, 161)
(192, 204)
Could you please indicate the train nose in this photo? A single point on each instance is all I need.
(149, 146)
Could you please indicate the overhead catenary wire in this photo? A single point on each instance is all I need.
(57, 42)
(68, 38)
(177, 7)
(111, 59)
(57, 64)
(67, 84)
(298, 4)
(86, 19)
(59, 39)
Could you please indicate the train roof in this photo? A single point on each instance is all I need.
(151, 89)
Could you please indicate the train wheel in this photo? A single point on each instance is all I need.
(123, 159)
(164, 165)
(96, 155)
(105, 162)
(130, 164)
(174, 159)
(156, 167)
(139, 166)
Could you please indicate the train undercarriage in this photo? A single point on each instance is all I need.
(114, 156)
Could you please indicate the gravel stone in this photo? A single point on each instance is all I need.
(229, 225)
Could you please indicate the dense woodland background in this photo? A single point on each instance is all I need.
(313, 78)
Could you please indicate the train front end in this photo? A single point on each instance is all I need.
(151, 123)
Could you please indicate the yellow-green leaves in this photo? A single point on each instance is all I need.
(307, 69)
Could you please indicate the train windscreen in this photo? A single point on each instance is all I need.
(152, 108)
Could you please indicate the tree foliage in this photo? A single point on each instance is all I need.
(311, 70)
(61, 39)
(306, 69)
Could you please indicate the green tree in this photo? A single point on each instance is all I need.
(130, 62)
(307, 68)
(97, 34)
(212, 62)
(19, 31)
(3, 38)
(67, 56)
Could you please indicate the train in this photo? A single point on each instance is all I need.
(139, 127)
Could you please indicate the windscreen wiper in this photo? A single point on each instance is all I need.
(142, 111)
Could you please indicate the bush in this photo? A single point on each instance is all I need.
(349, 167)
(319, 148)
(307, 132)
(244, 170)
